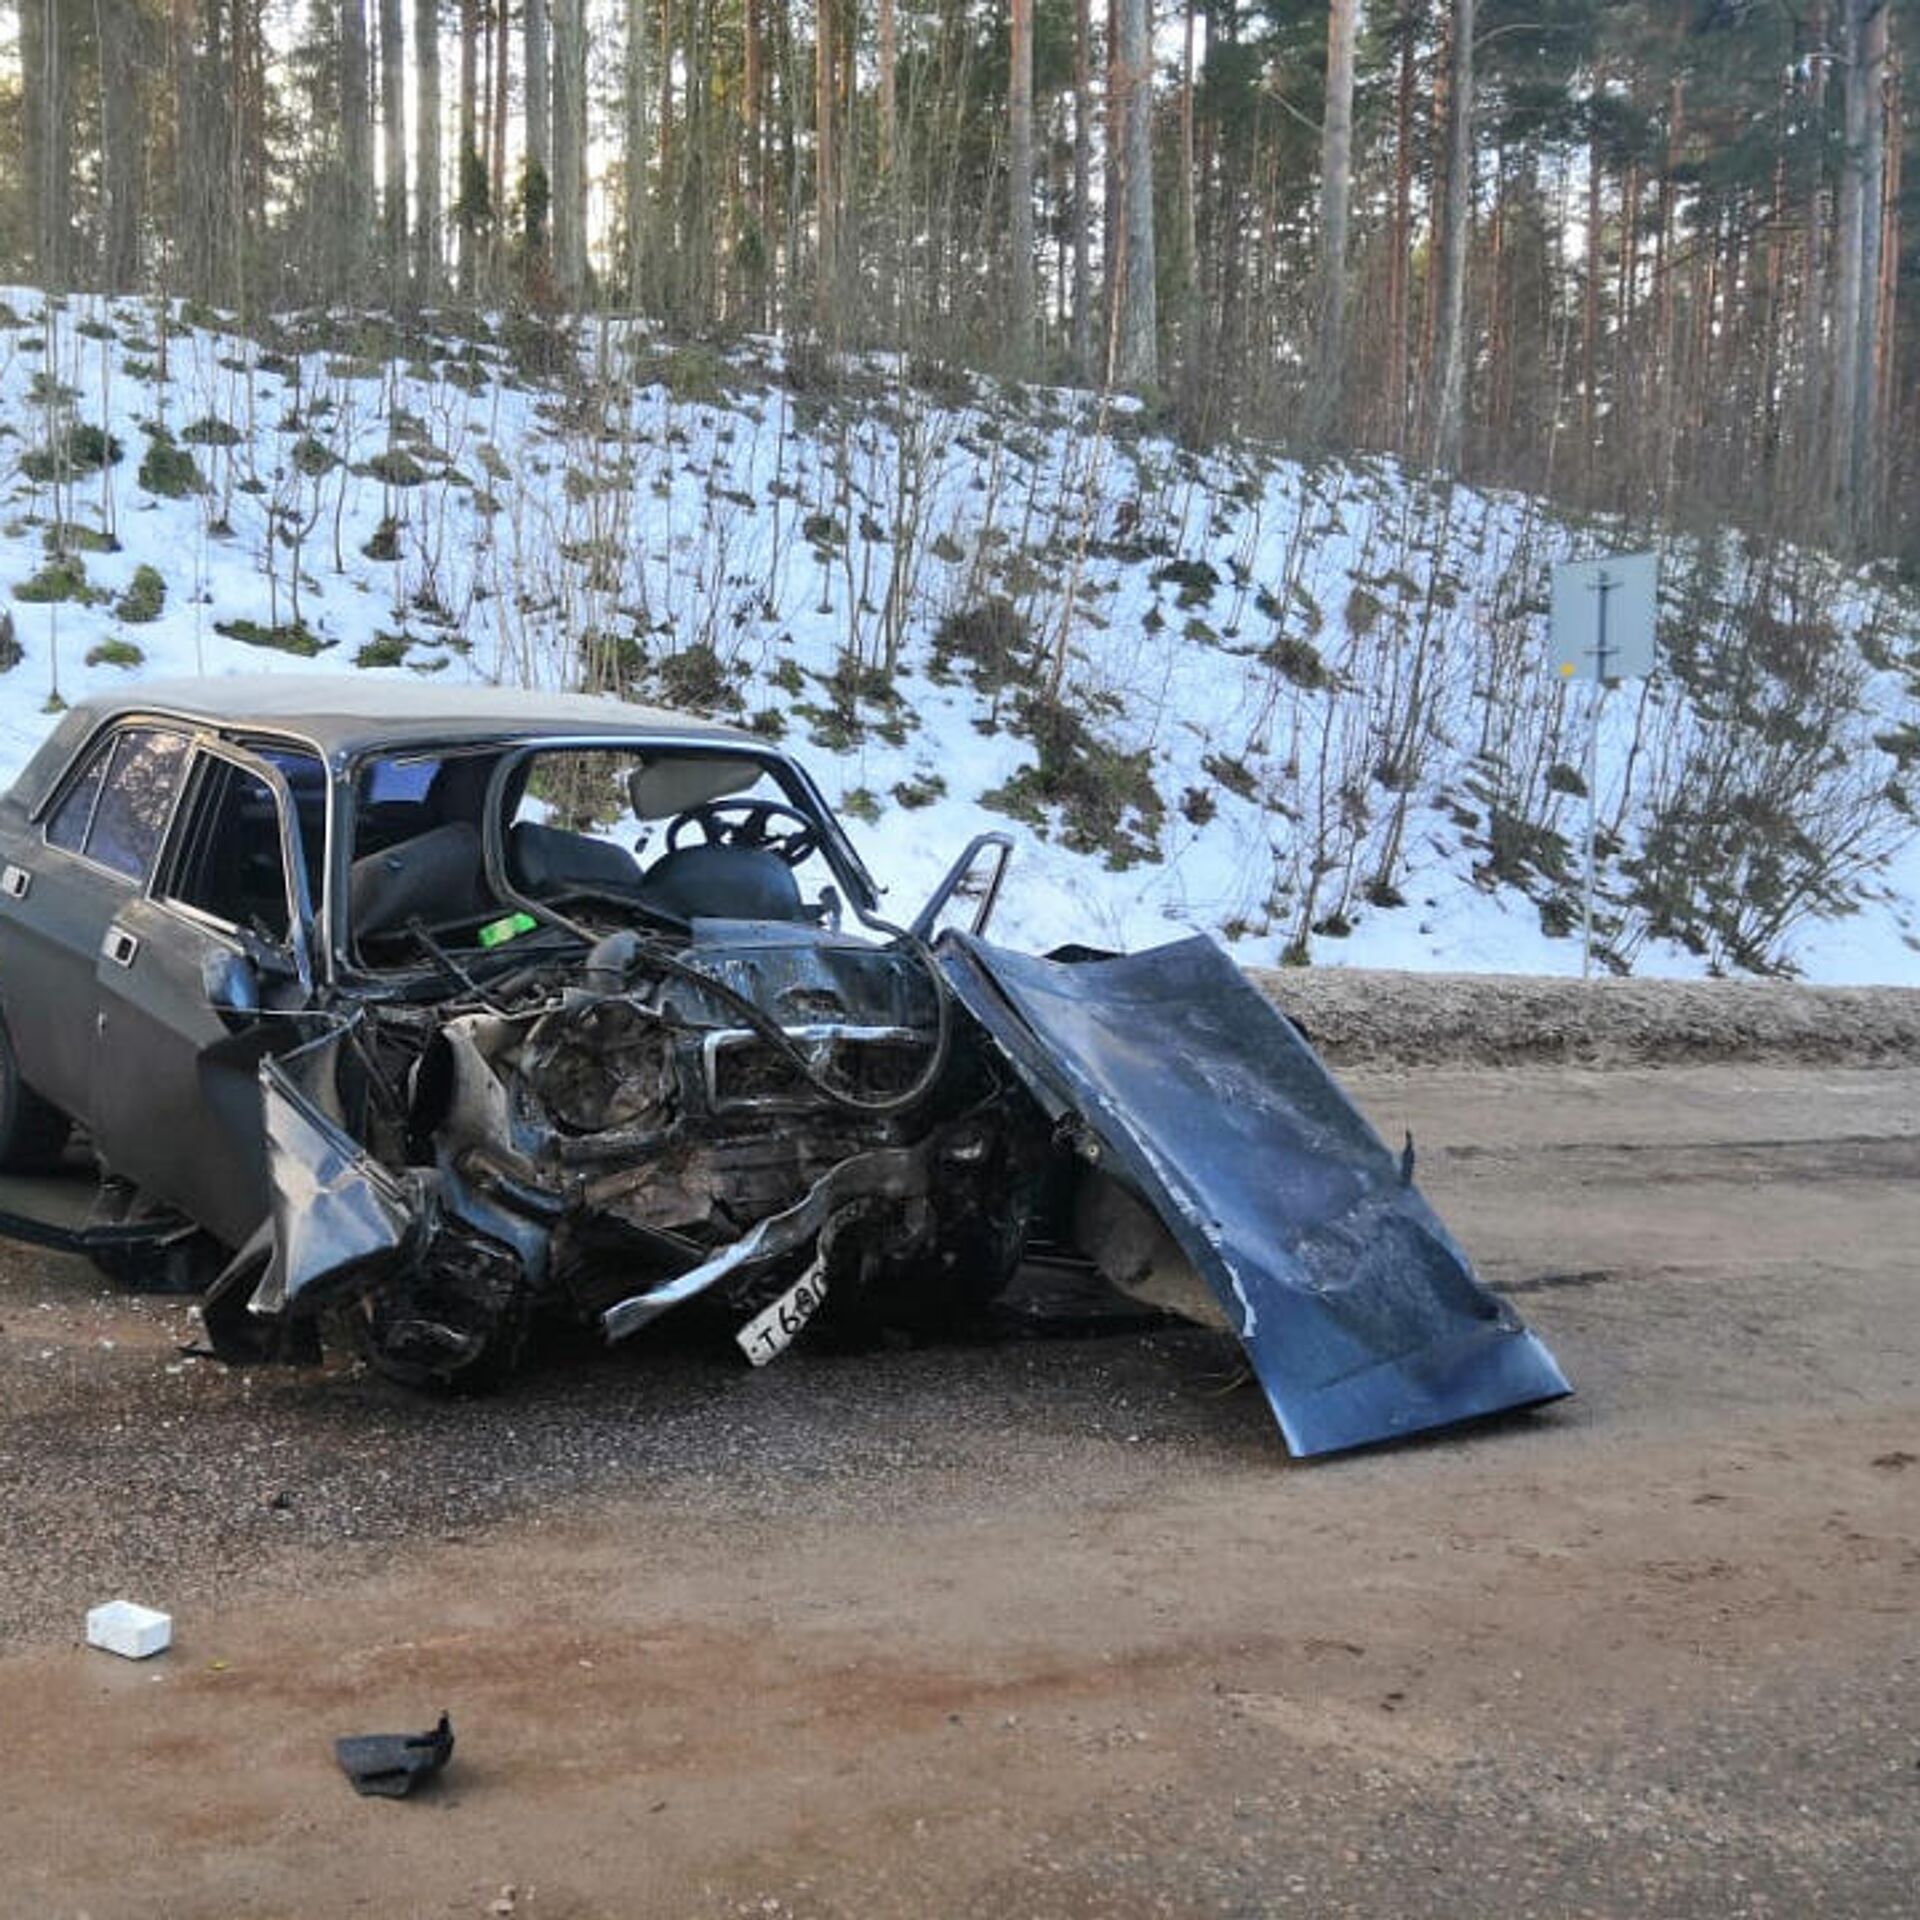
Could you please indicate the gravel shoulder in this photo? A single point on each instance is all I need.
(1052, 1627)
(1361, 1017)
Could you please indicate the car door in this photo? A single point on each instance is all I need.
(197, 979)
(92, 856)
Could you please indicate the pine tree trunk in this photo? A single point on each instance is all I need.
(1590, 318)
(889, 62)
(538, 187)
(1019, 336)
(472, 168)
(48, 117)
(1888, 338)
(502, 43)
(393, 135)
(1136, 348)
(1449, 412)
(753, 99)
(427, 182)
(1848, 259)
(356, 142)
(1400, 245)
(123, 132)
(1189, 177)
(1862, 482)
(1082, 189)
(569, 150)
(824, 156)
(635, 159)
(1336, 189)
(247, 153)
(1111, 195)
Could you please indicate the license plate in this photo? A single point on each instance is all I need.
(771, 1332)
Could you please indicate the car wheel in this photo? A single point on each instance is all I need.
(458, 1322)
(32, 1131)
(401, 1347)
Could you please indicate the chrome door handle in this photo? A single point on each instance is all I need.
(15, 882)
(120, 946)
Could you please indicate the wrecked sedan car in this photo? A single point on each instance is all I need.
(400, 1014)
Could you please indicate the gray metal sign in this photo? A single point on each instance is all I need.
(1603, 617)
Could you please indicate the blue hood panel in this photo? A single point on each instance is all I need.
(1363, 1319)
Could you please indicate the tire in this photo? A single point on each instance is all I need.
(458, 1323)
(32, 1131)
(383, 1342)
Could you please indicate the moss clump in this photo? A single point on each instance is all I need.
(80, 448)
(395, 467)
(211, 431)
(921, 791)
(169, 470)
(1195, 579)
(145, 598)
(696, 678)
(1233, 773)
(861, 803)
(994, 638)
(63, 578)
(69, 537)
(1105, 799)
(10, 650)
(384, 542)
(293, 636)
(383, 650)
(115, 653)
(314, 457)
(695, 375)
(1299, 661)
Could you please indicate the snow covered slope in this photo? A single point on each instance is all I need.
(1309, 709)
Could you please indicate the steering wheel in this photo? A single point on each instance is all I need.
(750, 824)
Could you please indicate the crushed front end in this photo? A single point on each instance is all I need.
(786, 1120)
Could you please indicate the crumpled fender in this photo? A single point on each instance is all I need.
(336, 1210)
(1363, 1319)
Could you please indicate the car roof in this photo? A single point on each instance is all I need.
(348, 714)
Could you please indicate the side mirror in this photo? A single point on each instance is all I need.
(968, 894)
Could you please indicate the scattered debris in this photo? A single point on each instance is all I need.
(390, 1765)
(133, 1632)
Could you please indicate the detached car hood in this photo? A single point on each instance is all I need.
(1362, 1318)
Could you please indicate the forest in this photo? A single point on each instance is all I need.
(1658, 258)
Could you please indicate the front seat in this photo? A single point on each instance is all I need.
(723, 883)
(550, 863)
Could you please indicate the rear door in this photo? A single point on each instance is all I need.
(196, 980)
(95, 851)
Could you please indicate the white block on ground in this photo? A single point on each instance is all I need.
(124, 1628)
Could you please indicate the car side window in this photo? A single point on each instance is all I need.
(117, 811)
(74, 815)
(231, 866)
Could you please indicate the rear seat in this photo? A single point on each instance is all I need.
(438, 877)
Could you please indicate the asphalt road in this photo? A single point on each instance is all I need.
(1045, 1628)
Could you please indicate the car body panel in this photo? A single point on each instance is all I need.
(1360, 1314)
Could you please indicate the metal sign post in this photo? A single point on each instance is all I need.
(1604, 614)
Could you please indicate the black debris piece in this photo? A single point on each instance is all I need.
(391, 1765)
